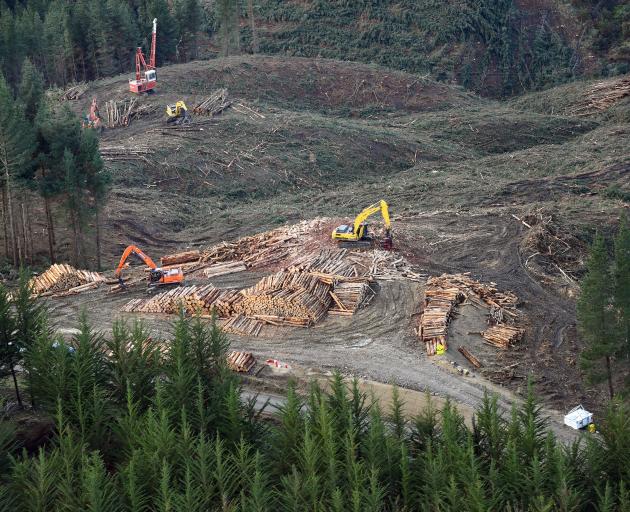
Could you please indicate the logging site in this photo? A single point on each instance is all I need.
(468, 281)
(314, 256)
(330, 215)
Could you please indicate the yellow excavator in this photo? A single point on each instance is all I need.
(357, 235)
(178, 114)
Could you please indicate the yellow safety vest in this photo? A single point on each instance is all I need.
(439, 349)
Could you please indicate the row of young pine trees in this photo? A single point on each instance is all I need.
(143, 424)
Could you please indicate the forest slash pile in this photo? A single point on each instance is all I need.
(63, 279)
(445, 292)
(601, 96)
(214, 104)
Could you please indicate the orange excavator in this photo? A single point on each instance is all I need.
(157, 275)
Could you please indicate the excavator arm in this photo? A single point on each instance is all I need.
(371, 210)
(132, 249)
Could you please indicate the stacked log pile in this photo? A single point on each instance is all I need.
(243, 326)
(286, 298)
(348, 297)
(443, 293)
(192, 299)
(61, 278)
(73, 93)
(502, 336)
(240, 361)
(113, 153)
(602, 96)
(214, 104)
(438, 309)
(329, 265)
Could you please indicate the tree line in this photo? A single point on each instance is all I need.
(45, 154)
(144, 424)
(603, 312)
(81, 40)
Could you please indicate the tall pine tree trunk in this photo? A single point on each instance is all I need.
(252, 25)
(75, 245)
(15, 384)
(237, 29)
(4, 223)
(27, 256)
(98, 238)
(12, 226)
(29, 225)
(50, 228)
(609, 375)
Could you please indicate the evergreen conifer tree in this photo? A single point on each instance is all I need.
(596, 318)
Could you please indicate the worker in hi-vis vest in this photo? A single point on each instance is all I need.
(591, 428)
(439, 349)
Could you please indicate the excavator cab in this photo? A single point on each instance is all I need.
(178, 114)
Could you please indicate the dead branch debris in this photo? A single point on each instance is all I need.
(73, 93)
(601, 96)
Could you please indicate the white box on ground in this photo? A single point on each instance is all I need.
(578, 418)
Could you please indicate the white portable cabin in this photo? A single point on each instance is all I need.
(578, 418)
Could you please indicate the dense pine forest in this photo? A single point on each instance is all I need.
(148, 424)
(495, 48)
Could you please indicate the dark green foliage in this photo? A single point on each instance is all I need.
(156, 447)
(603, 312)
(81, 40)
(495, 47)
(596, 316)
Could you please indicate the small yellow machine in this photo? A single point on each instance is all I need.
(357, 235)
(178, 114)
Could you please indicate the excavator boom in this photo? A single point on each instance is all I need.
(357, 234)
(132, 249)
(157, 276)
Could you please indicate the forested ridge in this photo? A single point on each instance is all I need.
(496, 48)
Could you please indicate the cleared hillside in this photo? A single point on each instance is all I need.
(307, 138)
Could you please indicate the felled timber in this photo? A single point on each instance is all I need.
(73, 93)
(502, 336)
(438, 308)
(214, 104)
(285, 297)
(471, 358)
(243, 326)
(204, 300)
(349, 297)
(64, 278)
(240, 361)
(221, 269)
(180, 257)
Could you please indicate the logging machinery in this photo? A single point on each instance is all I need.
(93, 119)
(178, 113)
(146, 76)
(357, 235)
(157, 275)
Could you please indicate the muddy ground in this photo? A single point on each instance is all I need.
(379, 343)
